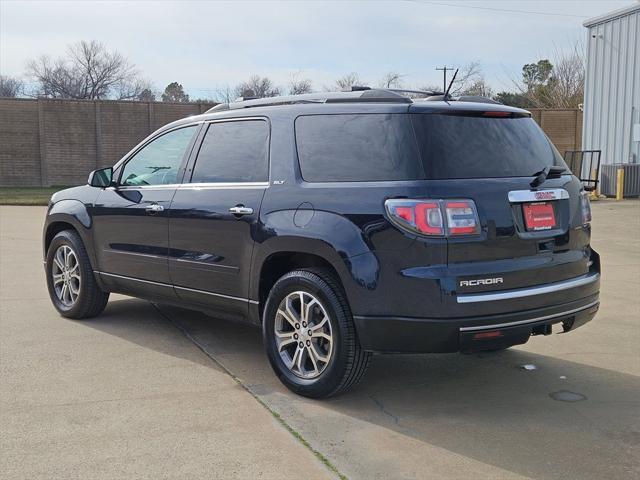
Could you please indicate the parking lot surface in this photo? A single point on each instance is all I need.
(125, 395)
(131, 393)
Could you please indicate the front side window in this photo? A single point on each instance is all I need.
(158, 162)
(234, 152)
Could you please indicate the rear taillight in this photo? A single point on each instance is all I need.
(585, 207)
(440, 218)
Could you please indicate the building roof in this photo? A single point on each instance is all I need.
(621, 12)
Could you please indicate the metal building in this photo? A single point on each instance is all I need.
(612, 87)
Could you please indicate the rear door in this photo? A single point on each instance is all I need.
(214, 215)
(130, 220)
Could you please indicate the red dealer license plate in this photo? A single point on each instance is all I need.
(539, 216)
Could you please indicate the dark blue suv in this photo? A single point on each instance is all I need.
(341, 223)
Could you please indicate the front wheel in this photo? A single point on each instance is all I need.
(309, 335)
(70, 279)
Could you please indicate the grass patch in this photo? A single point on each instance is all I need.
(27, 195)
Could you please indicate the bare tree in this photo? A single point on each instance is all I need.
(10, 86)
(257, 86)
(430, 88)
(298, 86)
(347, 81)
(224, 94)
(468, 75)
(553, 84)
(478, 88)
(88, 71)
(568, 78)
(137, 89)
(391, 80)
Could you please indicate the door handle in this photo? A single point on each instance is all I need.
(154, 208)
(241, 210)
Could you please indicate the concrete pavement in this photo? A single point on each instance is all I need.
(126, 395)
(122, 396)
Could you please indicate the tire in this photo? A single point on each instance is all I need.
(82, 298)
(345, 363)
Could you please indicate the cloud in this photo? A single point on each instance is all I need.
(205, 45)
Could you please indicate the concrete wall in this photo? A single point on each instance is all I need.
(562, 126)
(58, 142)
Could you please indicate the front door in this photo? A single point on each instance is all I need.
(131, 218)
(214, 214)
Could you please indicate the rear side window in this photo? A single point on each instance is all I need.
(235, 152)
(464, 146)
(357, 148)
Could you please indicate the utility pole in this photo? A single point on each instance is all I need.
(444, 69)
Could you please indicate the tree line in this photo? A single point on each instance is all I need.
(90, 71)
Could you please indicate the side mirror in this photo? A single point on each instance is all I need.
(101, 178)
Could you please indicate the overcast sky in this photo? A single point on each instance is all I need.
(206, 45)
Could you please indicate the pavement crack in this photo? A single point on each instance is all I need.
(380, 405)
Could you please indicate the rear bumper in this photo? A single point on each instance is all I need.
(442, 335)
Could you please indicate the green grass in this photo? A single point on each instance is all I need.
(27, 195)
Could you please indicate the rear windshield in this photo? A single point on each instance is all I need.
(357, 148)
(460, 146)
(434, 146)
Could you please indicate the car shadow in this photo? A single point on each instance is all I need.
(553, 419)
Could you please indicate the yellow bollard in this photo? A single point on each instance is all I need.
(620, 184)
(595, 194)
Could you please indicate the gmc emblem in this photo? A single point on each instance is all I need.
(545, 195)
(481, 281)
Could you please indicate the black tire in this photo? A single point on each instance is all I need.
(90, 300)
(347, 363)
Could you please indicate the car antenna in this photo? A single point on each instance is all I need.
(446, 94)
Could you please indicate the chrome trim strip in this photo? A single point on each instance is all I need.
(208, 186)
(133, 279)
(204, 264)
(519, 196)
(166, 186)
(527, 292)
(195, 186)
(254, 302)
(530, 320)
(137, 254)
(211, 293)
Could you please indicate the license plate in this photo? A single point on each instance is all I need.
(539, 216)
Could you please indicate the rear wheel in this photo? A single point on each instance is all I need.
(309, 335)
(70, 279)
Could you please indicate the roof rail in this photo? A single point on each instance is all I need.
(360, 94)
(464, 98)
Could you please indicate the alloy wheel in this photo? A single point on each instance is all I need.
(303, 334)
(65, 272)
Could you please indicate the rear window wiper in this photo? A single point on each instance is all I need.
(542, 175)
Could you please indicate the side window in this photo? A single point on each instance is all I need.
(159, 161)
(357, 148)
(236, 151)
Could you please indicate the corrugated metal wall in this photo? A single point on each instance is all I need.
(612, 88)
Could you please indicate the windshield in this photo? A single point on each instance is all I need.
(461, 146)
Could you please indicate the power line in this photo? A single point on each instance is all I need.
(507, 10)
